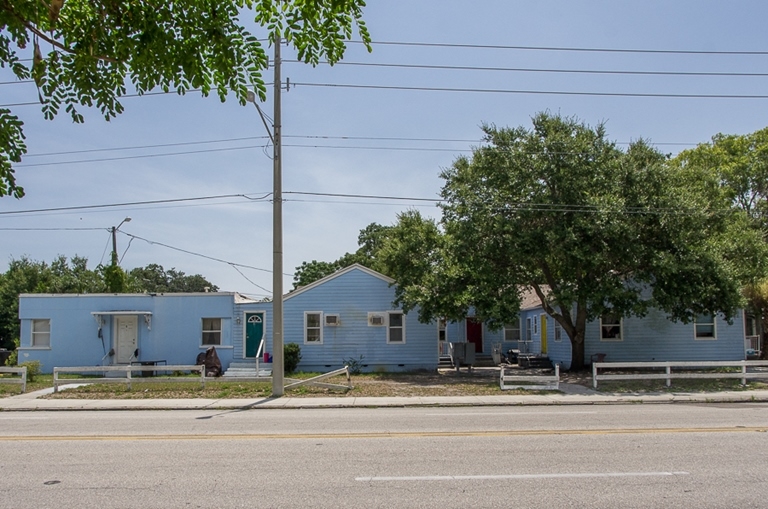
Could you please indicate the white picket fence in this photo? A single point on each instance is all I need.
(128, 378)
(687, 368)
(531, 382)
(22, 379)
(128, 370)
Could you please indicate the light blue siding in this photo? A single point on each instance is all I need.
(173, 332)
(656, 338)
(352, 295)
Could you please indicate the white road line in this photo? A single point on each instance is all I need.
(519, 476)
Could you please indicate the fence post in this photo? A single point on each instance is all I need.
(669, 378)
(744, 372)
(55, 380)
(128, 376)
(202, 376)
(24, 379)
(594, 375)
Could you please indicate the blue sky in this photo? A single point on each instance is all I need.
(393, 156)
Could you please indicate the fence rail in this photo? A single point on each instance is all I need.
(127, 379)
(315, 381)
(22, 380)
(668, 374)
(532, 382)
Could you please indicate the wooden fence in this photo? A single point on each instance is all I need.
(687, 369)
(22, 379)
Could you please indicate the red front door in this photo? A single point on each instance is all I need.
(475, 333)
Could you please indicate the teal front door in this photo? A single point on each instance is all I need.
(254, 333)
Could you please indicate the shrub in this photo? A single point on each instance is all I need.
(33, 369)
(355, 365)
(13, 359)
(291, 357)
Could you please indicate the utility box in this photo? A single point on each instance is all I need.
(496, 354)
(462, 353)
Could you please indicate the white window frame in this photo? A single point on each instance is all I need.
(558, 332)
(535, 322)
(528, 330)
(36, 335)
(319, 328)
(510, 328)
(204, 331)
(620, 324)
(337, 320)
(696, 324)
(390, 314)
(442, 327)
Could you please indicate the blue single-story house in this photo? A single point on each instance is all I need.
(635, 339)
(348, 315)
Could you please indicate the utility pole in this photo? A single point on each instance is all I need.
(114, 238)
(277, 236)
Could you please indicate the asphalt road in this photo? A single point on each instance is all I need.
(611, 456)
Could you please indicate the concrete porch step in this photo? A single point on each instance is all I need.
(247, 370)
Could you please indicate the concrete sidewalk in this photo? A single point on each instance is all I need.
(570, 396)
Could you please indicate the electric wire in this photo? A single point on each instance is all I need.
(138, 156)
(200, 255)
(535, 70)
(140, 147)
(531, 92)
(298, 136)
(134, 203)
(565, 48)
(52, 229)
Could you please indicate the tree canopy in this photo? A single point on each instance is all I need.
(592, 229)
(155, 279)
(370, 240)
(88, 52)
(740, 164)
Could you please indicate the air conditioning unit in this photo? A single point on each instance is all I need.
(375, 319)
(332, 320)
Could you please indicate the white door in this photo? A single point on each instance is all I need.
(126, 338)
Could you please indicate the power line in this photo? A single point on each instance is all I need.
(368, 196)
(250, 138)
(134, 203)
(532, 92)
(138, 147)
(534, 70)
(296, 136)
(52, 229)
(233, 264)
(563, 48)
(140, 156)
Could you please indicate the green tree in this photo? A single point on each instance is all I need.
(590, 228)
(155, 279)
(83, 52)
(370, 240)
(29, 276)
(740, 164)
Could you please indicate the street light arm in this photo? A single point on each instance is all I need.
(252, 98)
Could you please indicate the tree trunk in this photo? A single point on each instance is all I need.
(577, 351)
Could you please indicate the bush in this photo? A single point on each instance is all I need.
(355, 365)
(291, 357)
(33, 369)
(13, 359)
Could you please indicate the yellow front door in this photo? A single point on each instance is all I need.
(543, 329)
